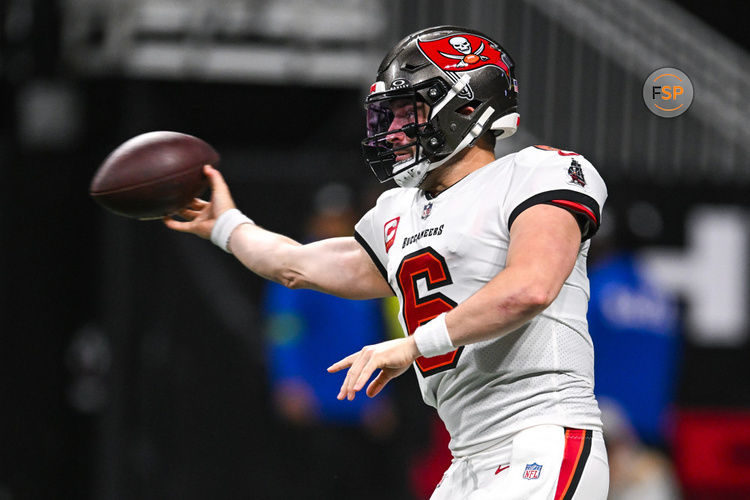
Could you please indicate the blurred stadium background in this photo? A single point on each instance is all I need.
(132, 358)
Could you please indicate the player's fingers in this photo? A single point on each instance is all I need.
(218, 184)
(183, 227)
(198, 204)
(378, 384)
(221, 198)
(344, 363)
(346, 385)
(353, 374)
(365, 375)
(188, 214)
(347, 362)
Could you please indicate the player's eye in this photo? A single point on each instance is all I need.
(405, 113)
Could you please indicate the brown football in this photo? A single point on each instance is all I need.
(153, 174)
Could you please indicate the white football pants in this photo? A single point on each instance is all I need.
(545, 462)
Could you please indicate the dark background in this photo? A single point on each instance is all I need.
(176, 405)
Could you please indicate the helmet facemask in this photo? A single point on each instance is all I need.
(397, 130)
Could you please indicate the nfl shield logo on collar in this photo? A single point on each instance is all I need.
(427, 210)
(532, 471)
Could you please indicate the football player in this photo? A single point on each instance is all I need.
(487, 258)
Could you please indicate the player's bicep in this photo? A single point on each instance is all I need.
(544, 244)
(342, 267)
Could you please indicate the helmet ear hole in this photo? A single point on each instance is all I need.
(468, 109)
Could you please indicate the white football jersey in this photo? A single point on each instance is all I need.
(435, 252)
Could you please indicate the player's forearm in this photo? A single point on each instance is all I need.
(506, 303)
(338, 266)
(267, 254)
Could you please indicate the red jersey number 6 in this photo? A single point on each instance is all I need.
(427, 265)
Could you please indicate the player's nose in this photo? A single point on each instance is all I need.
(403, 132)
(396, 138)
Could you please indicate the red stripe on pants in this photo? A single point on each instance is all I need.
(574, 441)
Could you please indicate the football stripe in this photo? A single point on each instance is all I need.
(577, 449)
(558, 194)
(576, 206)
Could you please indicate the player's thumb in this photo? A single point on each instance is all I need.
(220, 194)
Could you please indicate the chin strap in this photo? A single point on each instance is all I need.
(413, 177)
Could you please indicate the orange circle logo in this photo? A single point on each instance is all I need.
(668, 92)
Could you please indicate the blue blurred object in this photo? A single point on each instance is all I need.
(635, 327)
(307, 332)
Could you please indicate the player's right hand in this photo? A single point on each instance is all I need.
(200, 216)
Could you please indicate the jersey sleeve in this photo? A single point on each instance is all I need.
(561, 178)
(372, 235)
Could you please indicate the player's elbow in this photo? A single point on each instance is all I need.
(292, 279)
(543, 296)
(533, 299)
(289, 270)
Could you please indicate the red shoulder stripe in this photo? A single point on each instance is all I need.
(577, 207)
(559, 151)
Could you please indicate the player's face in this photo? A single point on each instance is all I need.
(406, 116)
(393, 124)
(393, 127)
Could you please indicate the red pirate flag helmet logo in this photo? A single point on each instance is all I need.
(460, 52)
(463, 52)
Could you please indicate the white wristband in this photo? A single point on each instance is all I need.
(225, 225)
(432, 339)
